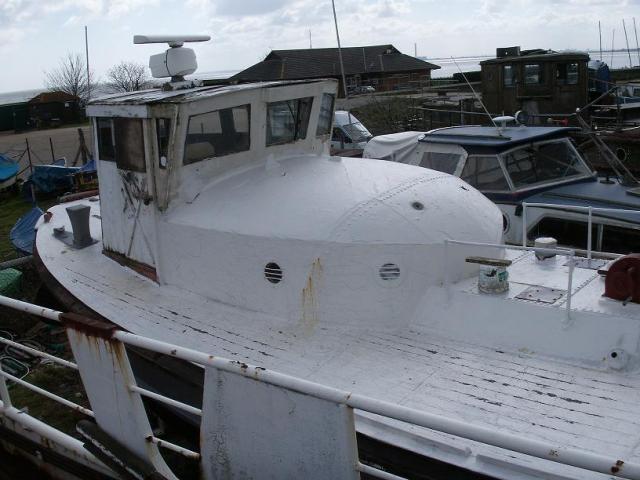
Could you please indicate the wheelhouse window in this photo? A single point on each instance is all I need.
(484, 173)
(287, 121)
(442, 162)
(326, 114)
(163, 128)
(567, 73)
(129, 144)
(106, 142)
(218, 133)
(508, 75)
(547, 162)
(533, 74)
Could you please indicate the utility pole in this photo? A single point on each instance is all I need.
(310, 44)
(344, 80)
(415, 50)
(86, 50)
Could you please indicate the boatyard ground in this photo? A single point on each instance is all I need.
(65, 144)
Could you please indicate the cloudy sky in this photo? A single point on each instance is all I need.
(34, 34)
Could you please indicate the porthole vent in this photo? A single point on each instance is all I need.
(273, 272)
(389, 272)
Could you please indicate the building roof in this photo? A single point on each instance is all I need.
(53, 97)
(499, 139)
(325, 62)
(539, 55)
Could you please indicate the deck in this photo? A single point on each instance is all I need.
(520, 392)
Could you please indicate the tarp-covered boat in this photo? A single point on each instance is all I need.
(8, 172)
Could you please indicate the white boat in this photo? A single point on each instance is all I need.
(535, 175)
(379, 290)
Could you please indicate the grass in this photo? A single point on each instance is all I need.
(61, 381)
(56, 379)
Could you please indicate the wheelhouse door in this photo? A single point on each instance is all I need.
(126, 203)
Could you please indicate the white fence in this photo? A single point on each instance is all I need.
(256, 423)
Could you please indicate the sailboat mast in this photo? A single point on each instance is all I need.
(627, 40)
(335, 19)
(637, 45)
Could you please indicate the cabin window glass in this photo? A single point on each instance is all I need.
(619, 239)
(106, 144)
(217, 133)
(287, 121)
(129, 144)
(568, 233)
(532, 74)
(484, 173)
(163, 129)
(326, 114)
(509, 75)
(567, 73)
(545, 162)
(443, 162)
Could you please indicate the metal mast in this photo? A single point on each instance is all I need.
(335, 19)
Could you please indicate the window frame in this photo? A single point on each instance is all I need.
(99, 139)
(513, 77)
(217, 152)
(125, 156)
(502, 156)
(297, 131)
(540, 74)
(501, 164)
(331, 110)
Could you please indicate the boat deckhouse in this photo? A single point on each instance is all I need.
(538, 81)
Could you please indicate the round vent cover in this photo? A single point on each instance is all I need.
(389, 271)
(273, 272)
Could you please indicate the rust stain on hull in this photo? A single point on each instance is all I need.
(310, 315)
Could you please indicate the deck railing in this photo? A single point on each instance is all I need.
(108, 381)
(590, 211)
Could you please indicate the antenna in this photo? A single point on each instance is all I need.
(177, 61)
(476, 95)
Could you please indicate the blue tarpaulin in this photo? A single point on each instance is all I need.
(8, 168)
(52, 178)
(22, 234)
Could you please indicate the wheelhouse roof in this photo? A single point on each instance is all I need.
(160, 96)
(495, 138)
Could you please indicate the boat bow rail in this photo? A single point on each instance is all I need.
(255, 421)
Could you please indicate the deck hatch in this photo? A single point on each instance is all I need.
(540, 294)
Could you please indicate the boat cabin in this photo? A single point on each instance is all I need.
(538, 81)
(157, 149)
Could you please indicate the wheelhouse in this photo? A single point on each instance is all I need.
(159, 149)
(503, 161)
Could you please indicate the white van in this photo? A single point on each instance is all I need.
(348, 132)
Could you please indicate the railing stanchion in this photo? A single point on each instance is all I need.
(589, 234)
(570, 284)
(4, 391)
(524, 224)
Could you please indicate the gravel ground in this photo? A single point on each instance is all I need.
(65, 144)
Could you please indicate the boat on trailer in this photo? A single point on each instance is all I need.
(537, 169)
(328, 302)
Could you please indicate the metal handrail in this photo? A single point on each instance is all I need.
(590, 210)
(528, 446)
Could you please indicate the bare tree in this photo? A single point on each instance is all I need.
(127, 77)
(71, 77)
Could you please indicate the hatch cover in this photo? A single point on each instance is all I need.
(541, 294)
